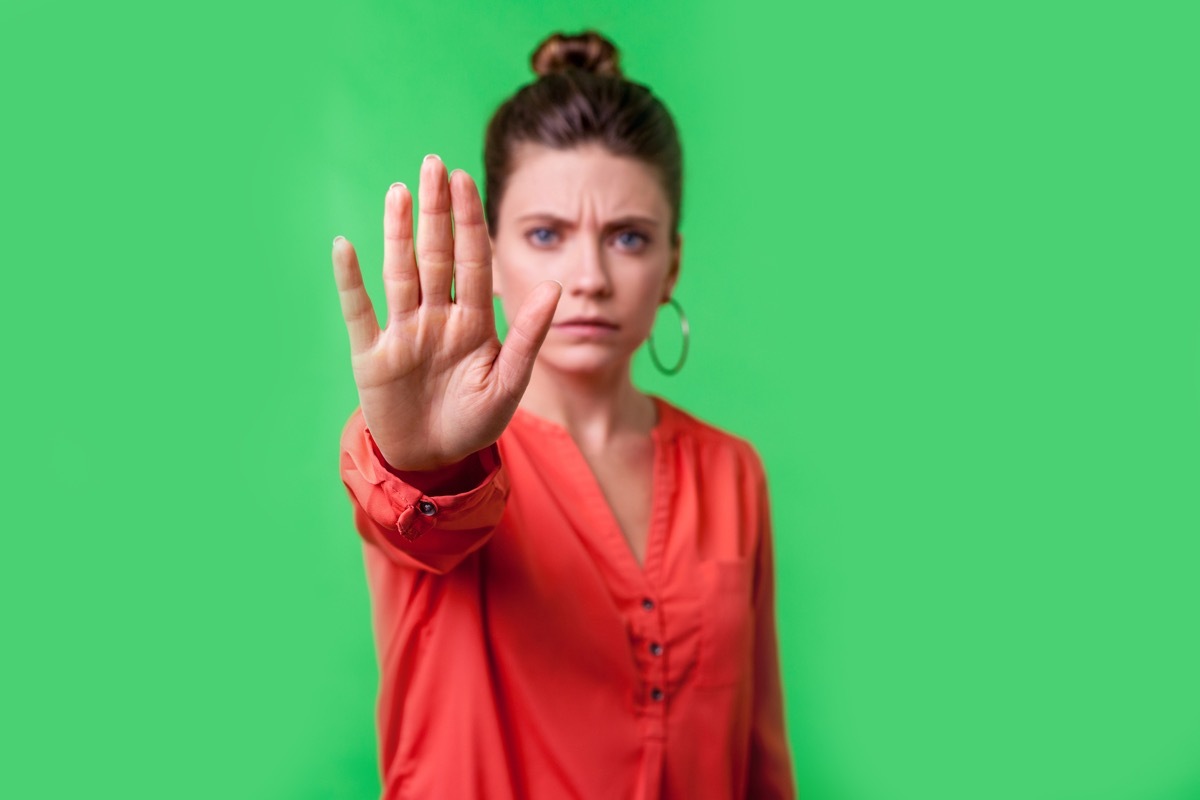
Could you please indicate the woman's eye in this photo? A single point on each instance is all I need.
(542, 236)
(631, 240)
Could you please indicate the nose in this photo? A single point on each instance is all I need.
(589, 276)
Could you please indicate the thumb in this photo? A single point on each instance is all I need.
(525, 337)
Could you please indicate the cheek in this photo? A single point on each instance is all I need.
(515, 269)
(511, 284)
(505, 279)
(647, 305)
(647, 281)
(650, 314)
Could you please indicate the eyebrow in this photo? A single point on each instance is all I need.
(628, 219)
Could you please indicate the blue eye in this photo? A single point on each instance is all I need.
(631, 240)
(542, 236)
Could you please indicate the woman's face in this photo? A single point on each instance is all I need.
(600, 225)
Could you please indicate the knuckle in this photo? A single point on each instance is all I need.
(434, 255)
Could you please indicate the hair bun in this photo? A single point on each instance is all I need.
(587, 52)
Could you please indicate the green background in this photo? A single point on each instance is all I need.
(941, 266)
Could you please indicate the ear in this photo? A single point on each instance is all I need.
(673, 272)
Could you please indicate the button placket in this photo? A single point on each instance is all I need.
(652, 662)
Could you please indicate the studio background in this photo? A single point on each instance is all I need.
(941, 267)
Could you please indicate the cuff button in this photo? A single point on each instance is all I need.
(427, 508)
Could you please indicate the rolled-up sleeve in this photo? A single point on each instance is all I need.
(432, 528)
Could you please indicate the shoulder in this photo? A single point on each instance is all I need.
(711, 441)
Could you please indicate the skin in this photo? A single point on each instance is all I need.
(579, 233)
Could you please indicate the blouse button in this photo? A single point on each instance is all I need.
(656, 694)
(427, 508)
(647, 604)
(655, 649)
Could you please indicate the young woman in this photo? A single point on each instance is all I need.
(572, 581)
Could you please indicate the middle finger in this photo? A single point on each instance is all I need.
(435, 241)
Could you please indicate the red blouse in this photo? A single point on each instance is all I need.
(524, 653)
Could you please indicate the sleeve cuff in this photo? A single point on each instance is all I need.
(441, 497)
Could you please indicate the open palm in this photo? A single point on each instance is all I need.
(435, 384)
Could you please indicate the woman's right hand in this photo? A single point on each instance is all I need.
(435, 385)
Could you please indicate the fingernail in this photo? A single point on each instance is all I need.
(337, 239)
(432, 155)
(394, 190)
(394, 185)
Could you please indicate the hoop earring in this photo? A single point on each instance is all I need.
(683, 324)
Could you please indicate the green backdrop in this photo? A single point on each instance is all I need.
(941, 266)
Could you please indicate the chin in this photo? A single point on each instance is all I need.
(582, 359)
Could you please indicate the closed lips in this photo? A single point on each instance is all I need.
(587, 321)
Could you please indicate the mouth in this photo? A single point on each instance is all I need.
(593, 326)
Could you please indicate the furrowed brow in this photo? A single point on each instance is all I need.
(619, 222)
(544, 216)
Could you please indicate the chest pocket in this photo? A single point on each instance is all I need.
(727, 622)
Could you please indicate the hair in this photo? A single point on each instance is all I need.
(581, 96)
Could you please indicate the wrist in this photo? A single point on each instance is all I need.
(438, 478)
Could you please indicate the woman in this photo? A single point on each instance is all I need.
(571, 581)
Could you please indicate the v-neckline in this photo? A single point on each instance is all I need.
(603, 510)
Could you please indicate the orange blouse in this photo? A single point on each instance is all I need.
(524, 653)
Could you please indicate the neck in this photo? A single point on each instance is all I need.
(594, 408)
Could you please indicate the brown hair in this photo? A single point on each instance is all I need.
(581, 96)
